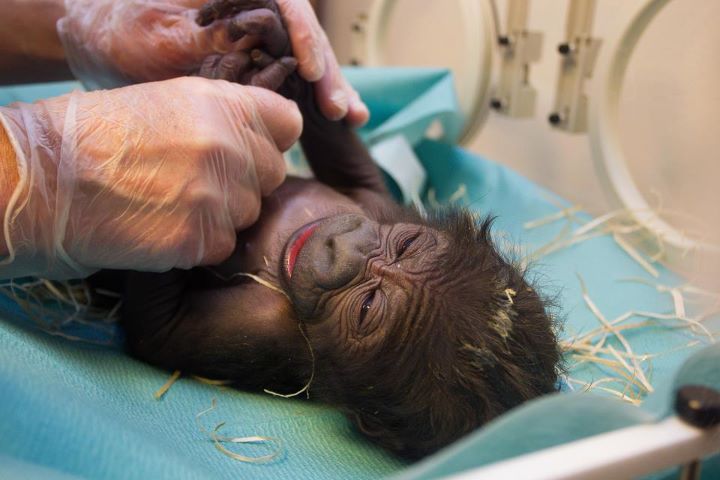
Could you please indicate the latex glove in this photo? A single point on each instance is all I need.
(146, 177)
(317, 63)
(109, 43)
(310, 45)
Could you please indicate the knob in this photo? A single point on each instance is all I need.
(698, 405)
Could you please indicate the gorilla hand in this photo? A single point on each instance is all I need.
(246, 19)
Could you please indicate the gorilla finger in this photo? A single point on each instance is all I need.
(218, 9)
(247, 76)
(232, 66)
(212, 11)
(207, 69)
(266, 25)
(274, 75)
(260, 59)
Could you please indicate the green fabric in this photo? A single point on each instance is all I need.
(71, 410)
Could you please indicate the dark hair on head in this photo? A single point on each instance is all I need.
(488, 346)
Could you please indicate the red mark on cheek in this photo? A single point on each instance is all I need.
(297, 246)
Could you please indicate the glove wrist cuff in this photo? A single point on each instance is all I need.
(11, 122)
(31, 226)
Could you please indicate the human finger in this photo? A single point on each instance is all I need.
(330, 94)
(280, 116)
(308, 40)
(358, 113)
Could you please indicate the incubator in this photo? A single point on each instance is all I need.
(609, 112)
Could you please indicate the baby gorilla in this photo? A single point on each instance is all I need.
(416, 327)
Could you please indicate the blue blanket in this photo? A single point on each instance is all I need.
(74, 410)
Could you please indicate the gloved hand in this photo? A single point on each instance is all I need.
(109, 43)
(252, 19)
(146, 177)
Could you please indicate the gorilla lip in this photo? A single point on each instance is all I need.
(296, 243)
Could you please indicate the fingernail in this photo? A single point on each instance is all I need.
(360, 107)
(315, 68)
(340, 100)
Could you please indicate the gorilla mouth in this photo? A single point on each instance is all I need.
(295, 245)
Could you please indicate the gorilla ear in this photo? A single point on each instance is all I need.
(378, 431)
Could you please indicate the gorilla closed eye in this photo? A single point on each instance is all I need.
(365, 308)
(405, 245)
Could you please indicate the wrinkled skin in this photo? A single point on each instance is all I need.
(413, 332)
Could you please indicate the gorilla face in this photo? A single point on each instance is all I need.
(355, 279)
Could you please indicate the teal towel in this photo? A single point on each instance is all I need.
(72, 410)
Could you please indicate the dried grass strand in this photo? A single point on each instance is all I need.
(252, 277)
(635, 255)
(623, 341)
(160, 393)
(210, 381)
(306, 388)
(54, 306)
(565, 213)
(218, 440)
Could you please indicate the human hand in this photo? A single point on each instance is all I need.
(146, 177)
(335, 97)
(248, 20)
(111, 43)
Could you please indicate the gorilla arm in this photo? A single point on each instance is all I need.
(334, 150)
(215, 332)
(335, 153)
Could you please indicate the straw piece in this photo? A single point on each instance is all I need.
(54, 290)
(635, 255)
(54, 305)
(218, 440)
(269, 285)
(589, 386)
(690, 321)
(566, 213)
(458, 194)
(210, 381)
(164, 389)
(683, 289)
(251, 276)
(252, 439)
(598, 221)
(432, 199)
(306, 388)
(263, 282)
(510, 293)
(594, 309)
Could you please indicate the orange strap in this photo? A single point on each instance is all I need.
(8, 179)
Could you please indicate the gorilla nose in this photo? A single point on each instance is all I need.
(346, 244)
